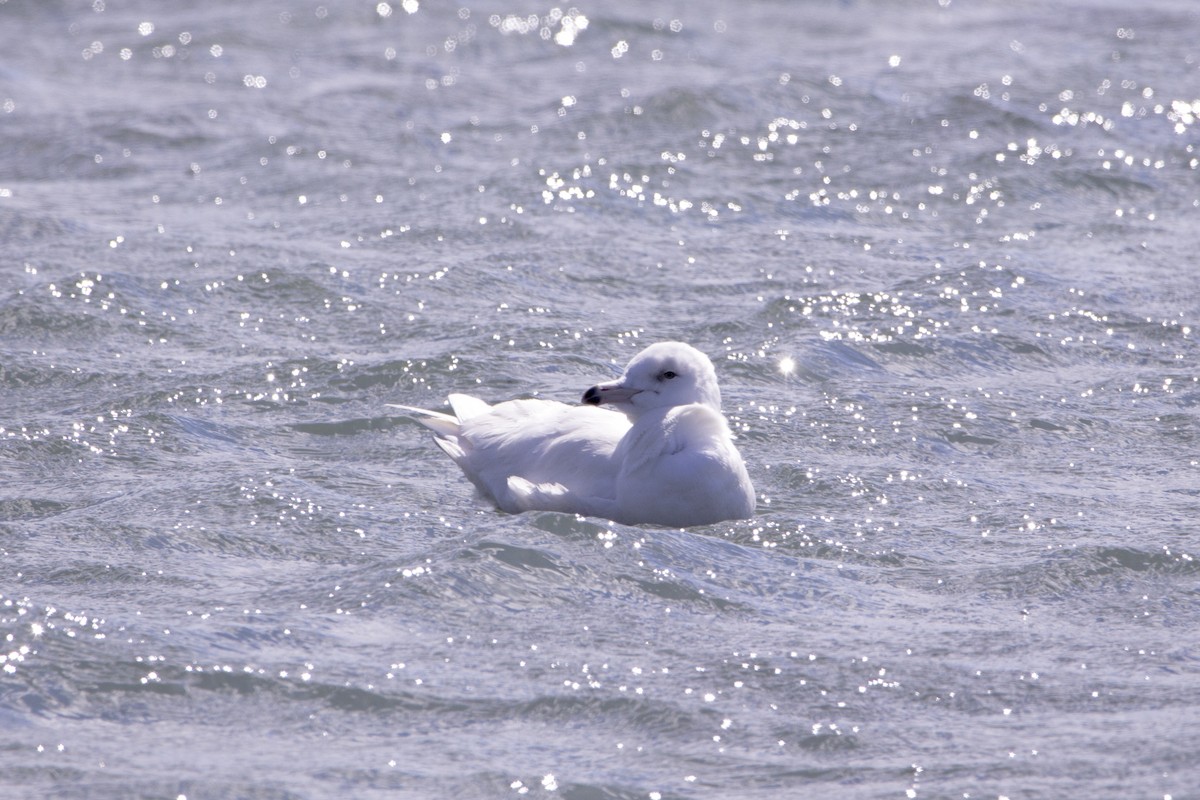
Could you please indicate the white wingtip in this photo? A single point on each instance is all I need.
(437, 421)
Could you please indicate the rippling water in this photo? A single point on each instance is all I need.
(942, 254)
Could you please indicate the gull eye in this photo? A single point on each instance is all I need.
(668, 374)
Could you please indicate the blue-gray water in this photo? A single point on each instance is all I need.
(943, 255)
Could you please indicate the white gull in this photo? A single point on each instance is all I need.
(664, 454)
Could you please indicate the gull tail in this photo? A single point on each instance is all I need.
(443, 424)
(447, 428)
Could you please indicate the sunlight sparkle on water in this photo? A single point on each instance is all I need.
(787, 365)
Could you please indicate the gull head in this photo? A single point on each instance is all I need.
(663, 375)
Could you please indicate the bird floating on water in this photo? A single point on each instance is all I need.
(650, 447)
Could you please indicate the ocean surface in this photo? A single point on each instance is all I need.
(943, 254)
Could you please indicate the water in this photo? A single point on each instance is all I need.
(942, 254)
